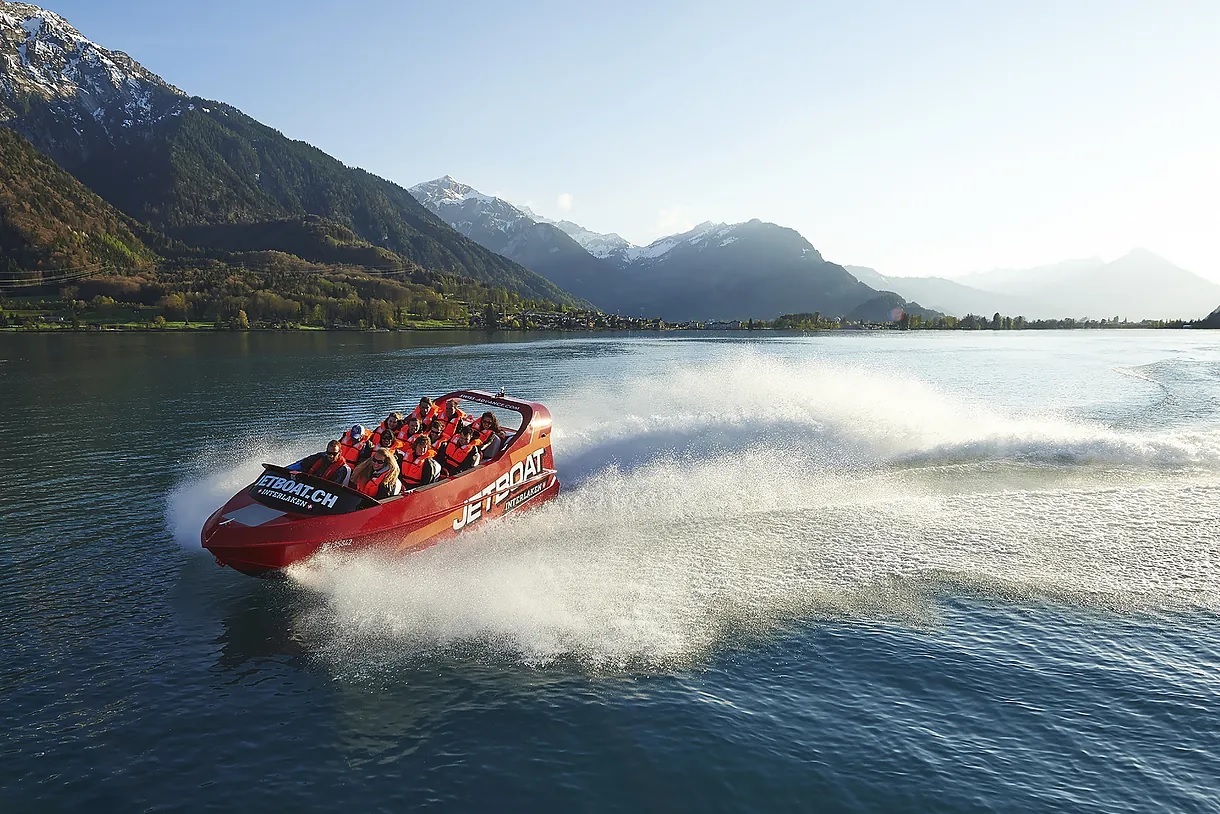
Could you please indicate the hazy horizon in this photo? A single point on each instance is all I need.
(1105, 259)
(932, 141)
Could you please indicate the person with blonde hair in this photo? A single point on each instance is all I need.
(377, 477)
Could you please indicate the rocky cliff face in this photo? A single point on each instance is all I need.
(51, 74)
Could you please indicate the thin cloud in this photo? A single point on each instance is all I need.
(565, 201)
(674, 220)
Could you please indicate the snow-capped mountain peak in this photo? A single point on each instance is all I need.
(706, 235)
(447, 190)
(711, 271)
(47, 56)
(597, 244)
(465, 208)
(43, 58)
(516, 233)
(601, 246)
(664, 245)
(612, 247)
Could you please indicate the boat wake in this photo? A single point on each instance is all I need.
(748, 496)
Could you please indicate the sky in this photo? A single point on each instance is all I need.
(930, 138)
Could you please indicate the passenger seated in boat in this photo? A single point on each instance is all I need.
(459, 453)
(353, 443)
(410, 428)
(453, 417)
(330, 465)
(489, 435)
(436, 434)
(391, 425)
(419, 467)
(425, 412)
(389, 441)
(377, 477)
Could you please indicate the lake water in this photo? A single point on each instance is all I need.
(899, 572)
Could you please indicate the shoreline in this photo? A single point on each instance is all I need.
(851, 329)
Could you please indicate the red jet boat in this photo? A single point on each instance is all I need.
(285, 517)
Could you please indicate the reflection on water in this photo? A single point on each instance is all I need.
(259, 623)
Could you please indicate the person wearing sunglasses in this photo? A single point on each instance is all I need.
(436, 434)
(389, 441)
(390, 426)
(329, 465)
(377, 477)
(489, 435)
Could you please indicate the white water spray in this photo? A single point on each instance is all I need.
(733, 499)
(216, 476)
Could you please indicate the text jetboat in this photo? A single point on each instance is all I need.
(285, 517)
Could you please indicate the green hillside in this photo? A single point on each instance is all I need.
(310, 238)
(213, 166)
(49, 221)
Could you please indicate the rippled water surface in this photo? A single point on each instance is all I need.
(900, 572)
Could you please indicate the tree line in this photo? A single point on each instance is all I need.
(970, 322)
(270, 290)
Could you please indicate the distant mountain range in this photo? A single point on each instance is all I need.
(1139, 285)
(945, 295)
(738, 271)
(205, 173)
(715, 271)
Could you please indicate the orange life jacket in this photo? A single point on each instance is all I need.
(413, 468)
(351, 447)
(380, 431)
(454, 455)
(485, 435)
(371, 488)
(326, 468)
(408, 446)
(451, 424)
(426, 417)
